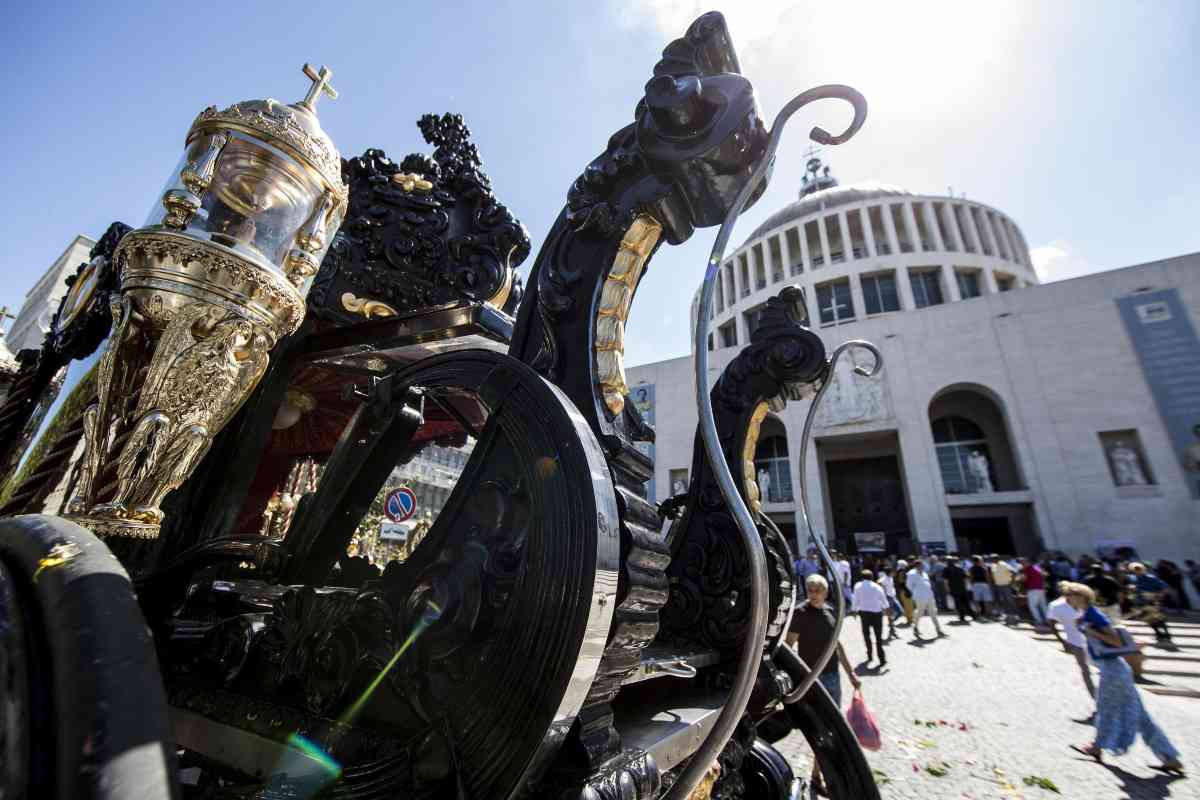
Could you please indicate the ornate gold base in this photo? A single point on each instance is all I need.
(105, 527)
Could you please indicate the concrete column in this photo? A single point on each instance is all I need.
(856, 297)
(1013, 246)
(889, 226)
(972, 231)
(805, 260)
(910, 222)
(904, 287)
(989, 281)
(785, 252)
(864, 219)
(988, 238)
(952, 226)
(824, 241)
(953, 295)
(847, 245)
(814, 313)
(998, 235)
(931, 223)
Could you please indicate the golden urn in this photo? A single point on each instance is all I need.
(215, 277)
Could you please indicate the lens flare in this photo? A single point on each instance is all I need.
(306, 767)
(433, 612)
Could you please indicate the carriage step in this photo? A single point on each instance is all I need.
(669, 725)
(661, 661)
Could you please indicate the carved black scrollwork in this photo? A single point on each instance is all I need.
(81, 322)
(421, 233)
(710, 581)
(694, 141)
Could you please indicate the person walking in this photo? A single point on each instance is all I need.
(902, 592)
(981, 588)
(1062, 614)
(843, 571)
(936, 567)
(1002, 579)
(811, 631)
(956, 585)
(889, 590)
(924, 604)
(1120, 715)
(1035, 591)
(870, 601)
(1107, 591)
(1147, 601)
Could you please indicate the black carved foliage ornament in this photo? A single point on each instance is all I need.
(83, 319)
(424, 232)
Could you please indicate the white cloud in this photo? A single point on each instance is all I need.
(1058, 260)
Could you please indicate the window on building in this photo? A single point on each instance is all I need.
(879, 293)
(875, 218)
(968, 283)
(834, 303)
(1005, 283)
(1127, 462)
(816, 254)
(727, 334)
(963, 457)
(926, 287)
(794, 252)
(902, 234)
(710, 343)
(760, 267)
(744, 272)
(833, 233)
(720, 292)
(776, 252)
(771, 457)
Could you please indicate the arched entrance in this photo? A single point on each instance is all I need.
(771, 463)
(990, 510)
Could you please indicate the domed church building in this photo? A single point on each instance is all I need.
(1010, 416)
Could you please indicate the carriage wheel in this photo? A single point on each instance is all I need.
(83, 712)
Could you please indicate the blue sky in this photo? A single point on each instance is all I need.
(1078, 119)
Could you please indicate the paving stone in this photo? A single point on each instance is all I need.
(1003, 703)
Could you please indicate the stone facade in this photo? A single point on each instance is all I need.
(1042, 371)
(32, 322)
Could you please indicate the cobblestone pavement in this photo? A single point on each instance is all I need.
(992, 705)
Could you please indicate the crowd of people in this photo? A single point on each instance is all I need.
(1083, 602)
(983, 588)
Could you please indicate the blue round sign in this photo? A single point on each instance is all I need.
(400, 504)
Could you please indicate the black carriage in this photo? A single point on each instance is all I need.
(196, 597)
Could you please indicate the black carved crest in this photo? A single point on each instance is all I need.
(421, 233)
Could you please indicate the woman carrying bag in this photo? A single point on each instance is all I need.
(1120, 715)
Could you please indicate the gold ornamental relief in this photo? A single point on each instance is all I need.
(159, 255)
(616, 296)
(277, 123)
(366, 307)
(754, 497)
(203, 367)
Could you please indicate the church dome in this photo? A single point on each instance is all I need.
(825, 199)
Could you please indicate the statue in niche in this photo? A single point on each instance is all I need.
(981, 474)
(764, 485)
(1126, 466)
(852, 398)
